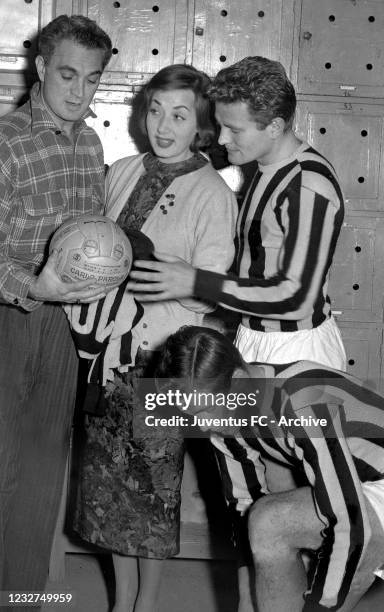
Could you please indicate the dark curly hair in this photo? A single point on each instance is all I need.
(183, 76)
(199, 356)
(77, 28)
(262, 84)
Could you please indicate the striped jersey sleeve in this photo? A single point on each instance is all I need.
(286, 237)
(242, 471)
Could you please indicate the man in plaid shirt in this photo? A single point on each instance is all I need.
(51, 169)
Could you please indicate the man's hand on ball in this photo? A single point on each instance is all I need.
(48, 287)
(170, 278)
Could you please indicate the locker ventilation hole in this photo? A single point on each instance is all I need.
(361, 179)
(155, 8)
(356, 287)
(351, 362)
(155, 52)
(331, 18)
(106, 123)
(223, 58)
(364, 133)
(115, 51)
(223, 13)
(357, 249)
(328, 65)
(322, 130)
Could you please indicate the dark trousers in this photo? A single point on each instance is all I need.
(38, 377)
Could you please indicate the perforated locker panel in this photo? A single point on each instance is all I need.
(113, 111)
(350, 135)
(10, 98)
(341, 47)
(225, 31)
(362, 346)
(357, 275)
(20, 21)
(146, 34)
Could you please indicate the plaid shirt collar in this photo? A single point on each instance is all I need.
(41, 117)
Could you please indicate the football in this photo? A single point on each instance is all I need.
(92, 247)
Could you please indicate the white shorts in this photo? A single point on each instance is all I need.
(322, 344)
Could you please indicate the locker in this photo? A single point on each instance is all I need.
(14, 44)
(331, 49)
(341, 48)
(10, 97)
(146, 35)
(113, 111)
(356, 279)
(210, 34)
(20, 21)
(349, 134)
(226, 31)
(362, 345)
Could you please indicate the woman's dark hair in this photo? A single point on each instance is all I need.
(79, 29)
(199, 356)
(182, 76)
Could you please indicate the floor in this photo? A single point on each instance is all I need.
(188, 586)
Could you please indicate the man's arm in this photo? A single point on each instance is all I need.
(242, 471)
(19, 286)
(311, 228)
(243, 477)
(14, 279)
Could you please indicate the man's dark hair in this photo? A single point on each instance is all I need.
(79, 29)
(262, 84)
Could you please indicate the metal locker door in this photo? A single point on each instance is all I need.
(341, 47)
(145, 35)
(349, 134)
(227, 31)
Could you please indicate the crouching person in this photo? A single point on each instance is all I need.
(329, 429)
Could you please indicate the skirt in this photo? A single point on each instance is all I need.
(128, 492)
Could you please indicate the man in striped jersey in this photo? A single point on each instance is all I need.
(287, 228)
(287, 232)
(329, 430)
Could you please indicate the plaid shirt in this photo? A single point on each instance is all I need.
(45, 179)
